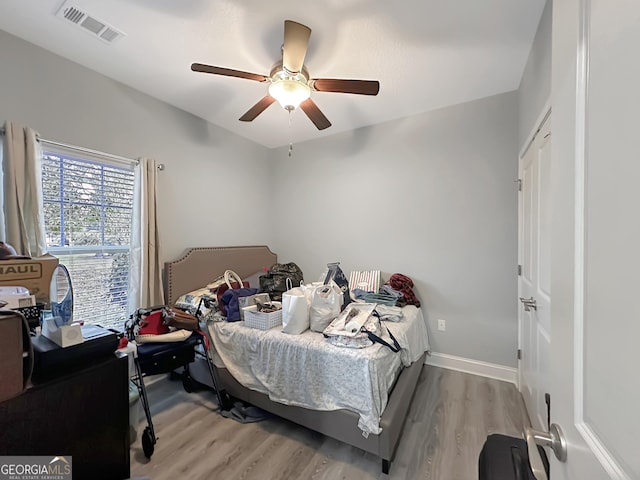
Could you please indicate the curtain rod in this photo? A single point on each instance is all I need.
(126, 160)
(90, 151)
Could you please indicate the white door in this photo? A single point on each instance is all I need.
(534, 286)
(595, 238)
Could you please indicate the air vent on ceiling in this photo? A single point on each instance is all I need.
(90, 24)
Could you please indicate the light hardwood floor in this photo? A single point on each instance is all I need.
(450, 417)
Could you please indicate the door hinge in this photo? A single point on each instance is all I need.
(519, 270)
(519, 354)
(519, 182)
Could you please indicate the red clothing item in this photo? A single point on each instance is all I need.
(404, 284)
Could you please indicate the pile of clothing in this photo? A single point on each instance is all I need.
(396, 292)
(401, 287)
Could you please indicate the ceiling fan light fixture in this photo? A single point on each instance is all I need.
(289, 92)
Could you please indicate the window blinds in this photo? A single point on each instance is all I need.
(88, 207)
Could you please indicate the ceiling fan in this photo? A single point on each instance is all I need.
(289, 80)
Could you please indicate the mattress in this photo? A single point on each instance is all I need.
(306, 371)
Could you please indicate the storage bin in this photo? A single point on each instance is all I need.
(261, 320)
(31, 314)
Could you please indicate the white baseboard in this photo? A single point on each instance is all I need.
(476, 367)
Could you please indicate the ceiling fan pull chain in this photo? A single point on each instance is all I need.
(290, 142)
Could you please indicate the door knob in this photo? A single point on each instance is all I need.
(529, 303)
(554, 438)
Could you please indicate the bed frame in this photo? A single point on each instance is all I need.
(200, 266)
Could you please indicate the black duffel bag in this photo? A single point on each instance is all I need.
(507, 458)
(274, 282)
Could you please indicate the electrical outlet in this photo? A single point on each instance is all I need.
(442, 325)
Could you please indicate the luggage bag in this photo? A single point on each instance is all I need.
(506, 458)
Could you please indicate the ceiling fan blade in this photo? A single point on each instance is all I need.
(360, 87)
(257, 109)
(314, 114)
(199, 67)
(296, 41)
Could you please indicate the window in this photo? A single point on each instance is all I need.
(88, 207)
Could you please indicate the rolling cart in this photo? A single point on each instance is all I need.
(157, 358)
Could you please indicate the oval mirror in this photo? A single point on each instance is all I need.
(61, 295)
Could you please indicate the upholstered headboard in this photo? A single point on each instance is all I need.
(200, 266)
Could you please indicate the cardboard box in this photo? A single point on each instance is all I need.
(34, 274)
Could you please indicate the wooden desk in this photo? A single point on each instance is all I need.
(83, 413)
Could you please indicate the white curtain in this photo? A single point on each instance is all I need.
(146, 277)
(21, 215)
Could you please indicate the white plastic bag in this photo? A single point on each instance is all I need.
(295, 310)
(325, 303)
(351, 320)
(341, 334)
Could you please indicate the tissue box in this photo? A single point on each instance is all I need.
(16, 297)
(64, 336)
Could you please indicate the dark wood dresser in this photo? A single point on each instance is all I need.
(83, 413)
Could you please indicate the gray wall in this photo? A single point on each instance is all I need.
(535, 86)
(431, 196)
(212, 183)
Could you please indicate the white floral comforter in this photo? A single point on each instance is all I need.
(305, 370)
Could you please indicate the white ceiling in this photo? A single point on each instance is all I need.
(426, 54)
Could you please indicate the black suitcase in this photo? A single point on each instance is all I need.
(156, 358)
(506, 458)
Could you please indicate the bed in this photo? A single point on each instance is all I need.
(375, 425)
